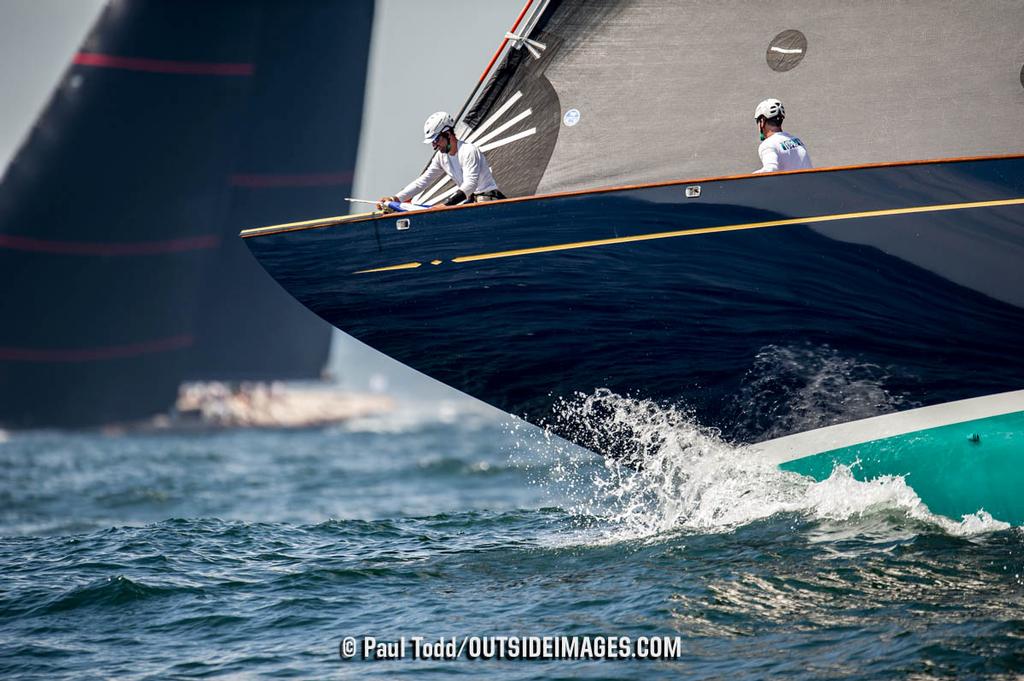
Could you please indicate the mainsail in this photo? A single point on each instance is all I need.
(177, 123)
(615, 92)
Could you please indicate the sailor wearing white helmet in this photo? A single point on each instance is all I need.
(462, 161)
(779, 150)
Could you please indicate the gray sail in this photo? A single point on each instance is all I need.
(651, 90)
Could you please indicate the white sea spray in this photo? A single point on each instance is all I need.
(690, 480)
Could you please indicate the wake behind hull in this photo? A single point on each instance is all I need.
(903, 283)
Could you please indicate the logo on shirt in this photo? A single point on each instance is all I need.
(791, 143)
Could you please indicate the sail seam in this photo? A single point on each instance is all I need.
(95, 354)
(166, 66)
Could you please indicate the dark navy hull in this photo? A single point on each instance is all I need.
(909, 276)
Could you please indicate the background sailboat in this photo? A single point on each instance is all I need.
(177, 124)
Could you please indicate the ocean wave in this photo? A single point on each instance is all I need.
(112, 592)
(692, 480)
(455, 466)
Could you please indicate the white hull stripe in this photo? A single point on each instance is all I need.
(811, 442)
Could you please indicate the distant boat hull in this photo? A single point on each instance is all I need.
(902, 283)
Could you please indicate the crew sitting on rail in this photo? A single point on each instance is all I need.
(462, 161)
(779, 150)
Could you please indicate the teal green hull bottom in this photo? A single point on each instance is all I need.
(956, 469)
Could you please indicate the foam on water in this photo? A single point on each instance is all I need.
(794, 388)
(693, 481)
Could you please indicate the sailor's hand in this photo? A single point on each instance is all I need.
(382, 203)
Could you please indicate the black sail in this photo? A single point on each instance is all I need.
(633, 91)
(177, 123)
(296, 158)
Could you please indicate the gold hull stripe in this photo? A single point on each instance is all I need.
(359, 217)
(735, 228)
(391, 268)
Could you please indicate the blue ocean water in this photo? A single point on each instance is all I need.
(254, 554)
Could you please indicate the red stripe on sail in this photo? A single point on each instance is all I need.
(307, 180)
(24, 243)
(188, 68)
(96, 354)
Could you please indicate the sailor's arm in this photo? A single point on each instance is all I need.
(433, 171)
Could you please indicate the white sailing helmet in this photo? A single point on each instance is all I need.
(770, 108)
(436, 124)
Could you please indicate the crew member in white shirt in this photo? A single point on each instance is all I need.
(462, 161)
(779, 150)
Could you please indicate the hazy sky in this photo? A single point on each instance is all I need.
(37, 40)
(426, 56)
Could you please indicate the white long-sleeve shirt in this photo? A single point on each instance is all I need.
(468, 169)
(782, 151)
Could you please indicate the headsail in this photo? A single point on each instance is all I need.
(640, 91)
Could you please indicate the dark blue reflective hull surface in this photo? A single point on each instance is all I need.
(906, 278)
